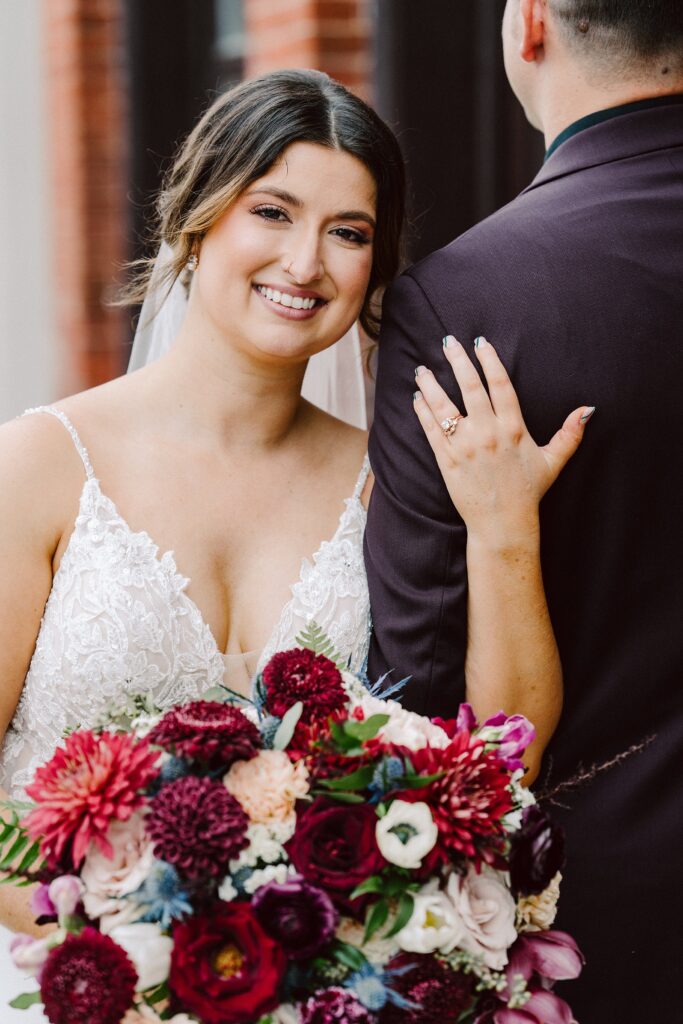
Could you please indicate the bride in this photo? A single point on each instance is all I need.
(174, 527)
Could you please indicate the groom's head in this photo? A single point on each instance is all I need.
(568, 53)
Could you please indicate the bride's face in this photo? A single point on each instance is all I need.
(284, 271)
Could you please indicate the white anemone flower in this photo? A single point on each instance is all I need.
(406, 833)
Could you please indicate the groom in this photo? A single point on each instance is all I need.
(579, 285)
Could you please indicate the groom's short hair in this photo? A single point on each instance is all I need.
(633, 31)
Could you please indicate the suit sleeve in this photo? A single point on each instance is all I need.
(415, 541)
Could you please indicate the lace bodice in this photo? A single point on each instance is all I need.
(118, 622)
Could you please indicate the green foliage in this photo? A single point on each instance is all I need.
(313, 638)
(348, 955)
(26, 1000)
(18, 852)
(285, 729)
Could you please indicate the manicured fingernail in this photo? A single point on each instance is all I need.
(478, 342)
(587, 415)
(419, 370)
(449, 341)
(417, 395)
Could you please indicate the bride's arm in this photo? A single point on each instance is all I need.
(31, 485)
(496, 476)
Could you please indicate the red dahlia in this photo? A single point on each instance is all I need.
(197, 826)
(439, 993)
(470, 799)
(89, 782)
(88, 978)
(206, 730)
(300, 674)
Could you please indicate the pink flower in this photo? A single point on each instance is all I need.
(542, 1008)
(553, 956)
(268, 786)
(65, 894)
(487, 909)
(29, 954)
(513, 735)
(89, 782)
(110, 878)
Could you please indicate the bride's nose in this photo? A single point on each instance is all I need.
(302, 262)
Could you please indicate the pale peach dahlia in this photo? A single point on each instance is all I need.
(92, 780)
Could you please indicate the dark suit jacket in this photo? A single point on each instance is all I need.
(579, 285)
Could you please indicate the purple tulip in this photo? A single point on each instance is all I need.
(553, 956)
(41, 904)
(301, 917)
(537, 852)
(466, 720)
(543, 1008)
(516, 733)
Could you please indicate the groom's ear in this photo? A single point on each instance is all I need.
(533, 15)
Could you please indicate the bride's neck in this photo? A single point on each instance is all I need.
(232, 396)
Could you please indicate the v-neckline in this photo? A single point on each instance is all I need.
(167, 558)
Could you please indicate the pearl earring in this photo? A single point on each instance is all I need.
(193, 262)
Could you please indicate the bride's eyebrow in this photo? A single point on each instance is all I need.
(292, 200)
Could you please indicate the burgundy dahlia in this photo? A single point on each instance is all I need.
(301, 675)
(438, 993)
(208, 731)
(88, 978)
(537, 852)
(197, 826)
(335, 1006)
(469, 800)
(301, 917)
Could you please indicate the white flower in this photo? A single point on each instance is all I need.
(406, 833)
(485, 906)
(29, 954)
(149, 950)
(273, 873)
(404, 728)
(143, 723)
(265, 844)
(285, 1014)
(434, 923)
(226, 890)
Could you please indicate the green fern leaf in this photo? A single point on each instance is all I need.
(314, 638)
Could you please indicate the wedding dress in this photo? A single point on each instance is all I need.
(118, 621)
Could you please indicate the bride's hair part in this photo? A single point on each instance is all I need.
(238, 140)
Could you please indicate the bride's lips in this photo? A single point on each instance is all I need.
(289, 312)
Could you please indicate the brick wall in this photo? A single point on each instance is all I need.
(85, 83)
(331, 35)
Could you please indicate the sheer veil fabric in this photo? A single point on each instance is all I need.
(334, 379)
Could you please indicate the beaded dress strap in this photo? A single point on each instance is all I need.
(66, 422)
(362, 478)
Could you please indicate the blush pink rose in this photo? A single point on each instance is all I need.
(487, 909)
(108, 879)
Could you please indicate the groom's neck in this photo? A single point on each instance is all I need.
(571, 95)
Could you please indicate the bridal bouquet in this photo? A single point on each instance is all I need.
(315, 856)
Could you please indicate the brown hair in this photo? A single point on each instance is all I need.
(238, 140)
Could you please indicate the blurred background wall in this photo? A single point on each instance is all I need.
(96, 94)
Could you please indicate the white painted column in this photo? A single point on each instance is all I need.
(28, 336)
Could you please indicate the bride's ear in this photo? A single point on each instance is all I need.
(532, 15)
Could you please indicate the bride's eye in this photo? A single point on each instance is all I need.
(272, 213)
(351, 235)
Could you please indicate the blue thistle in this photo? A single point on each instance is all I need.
(162, 896)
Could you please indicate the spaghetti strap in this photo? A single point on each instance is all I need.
(66, 422)
(362, 477)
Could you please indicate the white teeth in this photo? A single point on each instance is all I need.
(291, 301)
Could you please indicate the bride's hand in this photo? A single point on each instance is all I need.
(494, 471)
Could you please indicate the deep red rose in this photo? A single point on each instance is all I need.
(224, 967)
(334, 847)
(301, 675)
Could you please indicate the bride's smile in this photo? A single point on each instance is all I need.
(285, 270)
